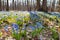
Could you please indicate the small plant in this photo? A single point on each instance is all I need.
(36, 32)
(55, 35)
(19, 35)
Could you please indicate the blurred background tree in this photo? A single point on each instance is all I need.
(7, 7)
(44, 5)
(38, 5)
(12, 4)
(0, 5)
(30, 5)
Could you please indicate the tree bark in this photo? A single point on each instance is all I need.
(7, 8)
(0, 5)
(44, 5)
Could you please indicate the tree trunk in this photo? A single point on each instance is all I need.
(59, 2)
(50, 6)
(25, 6)
(53, 5)
(28, 5)
(7, 8)
(44, 5)
(59, 5)
(13, 4)
(3, 8)
(22, 5)
(0, 5)
(18, 5)
(38, 5)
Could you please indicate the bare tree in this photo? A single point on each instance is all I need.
(7, 8)
(34, 6)
(44, 5)
(13, 4)
(17, 5)
(53, 5)
(0, 5)
(38, 5)
(3, 6)
(27, 5)
(50, 6)
(59, 5)
(59, 2)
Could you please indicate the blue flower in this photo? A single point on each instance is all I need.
(34, 16)
(38, 24)
(15, 27)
